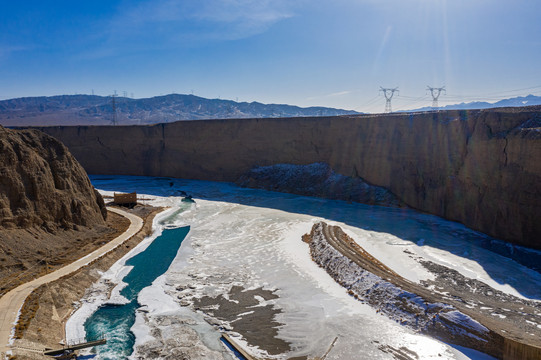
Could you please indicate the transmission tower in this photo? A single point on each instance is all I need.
(435, 92)
(388, 93)
(113, 120)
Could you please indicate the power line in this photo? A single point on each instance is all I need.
(413, 101)
(368, 103)
(516, 90)
(499, 95)
(413, 97)
(478, 98)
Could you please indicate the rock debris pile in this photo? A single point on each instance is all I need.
(410, 304)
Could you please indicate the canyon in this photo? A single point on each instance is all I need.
(477, 167)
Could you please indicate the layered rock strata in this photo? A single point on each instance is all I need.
(478, 167)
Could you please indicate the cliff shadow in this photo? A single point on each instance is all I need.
(405, 226)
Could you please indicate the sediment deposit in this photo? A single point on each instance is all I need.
(318, 180)
(478, 167)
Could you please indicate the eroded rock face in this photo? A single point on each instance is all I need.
(318, 180)
(42, 185)
(478, 167)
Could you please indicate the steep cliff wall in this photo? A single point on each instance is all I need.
(481, 168)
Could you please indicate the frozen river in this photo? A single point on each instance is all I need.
(252, 239)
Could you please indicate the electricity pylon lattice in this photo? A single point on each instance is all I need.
(388, 93)
(113, 120)
(435, 92)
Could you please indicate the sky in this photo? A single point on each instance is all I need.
(335, 53)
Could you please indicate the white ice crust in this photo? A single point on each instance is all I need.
(253, 238)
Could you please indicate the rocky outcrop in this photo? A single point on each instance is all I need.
(478, 167)
(371, 282)
(318, 180)
(42, 185)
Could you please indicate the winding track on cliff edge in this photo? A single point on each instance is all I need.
(350, 249)
(467, 300)
(11, 303)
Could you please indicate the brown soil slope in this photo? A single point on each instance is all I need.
(48, 208)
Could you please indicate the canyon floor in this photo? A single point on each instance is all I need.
(244, 269)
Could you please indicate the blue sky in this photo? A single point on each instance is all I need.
(321, 52)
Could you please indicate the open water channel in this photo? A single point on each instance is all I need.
(115, 320)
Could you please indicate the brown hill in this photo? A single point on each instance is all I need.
(41, 184)
(47, 204)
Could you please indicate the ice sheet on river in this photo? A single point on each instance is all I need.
(252, 238)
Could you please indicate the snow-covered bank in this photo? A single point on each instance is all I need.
(152, 300)
(107, 289)
(252, 238)
(165, 329)
(407, 308)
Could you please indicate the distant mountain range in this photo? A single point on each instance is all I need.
(512, 102)
(98, 110)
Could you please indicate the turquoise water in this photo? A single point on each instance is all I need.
(115, 321)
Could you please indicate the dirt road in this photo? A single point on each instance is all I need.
(11, 303)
